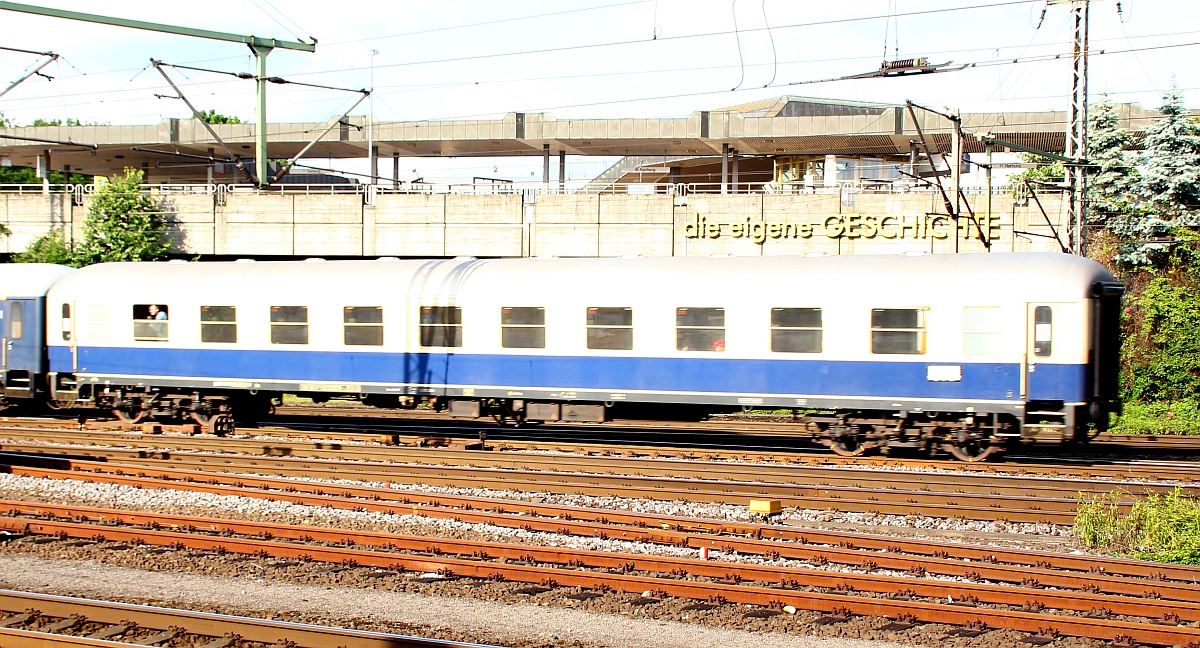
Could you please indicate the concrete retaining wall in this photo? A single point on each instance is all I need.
(444, 225)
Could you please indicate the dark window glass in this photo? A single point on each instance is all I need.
(896, 318)
(289, 325)
(710, 317)
(16, 324)
(1043, 331)
(441, 326)
(898, 331)
(218, 314)
(150, 322)
(363, 335)
(523, 327)
(609, 316)
(362, 315)
(610, 327)
(66, 322)
(441, 336)
(700, 329)
(599, 337)
(441, 315)
(523, 315)
(362, 326)
(528, 337)
(796, 330)
(289, 314)
(796, 317)
(796, 340)
(218, 324)
(289, 334)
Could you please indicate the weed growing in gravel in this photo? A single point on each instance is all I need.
(1162, 527)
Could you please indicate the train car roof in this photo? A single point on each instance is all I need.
(1013, 275)
(29, 279)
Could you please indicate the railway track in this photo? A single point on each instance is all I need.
(29, 620)
(1071, 599)
(1010, 498)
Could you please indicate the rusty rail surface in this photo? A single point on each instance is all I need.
(965, 481)
(124, 620)
(769, 586)
(1014, 507)
(459, 434)
(992, 563)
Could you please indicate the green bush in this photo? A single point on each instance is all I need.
(1162, 527)
(1179, 417)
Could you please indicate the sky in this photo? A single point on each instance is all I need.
(467, 59)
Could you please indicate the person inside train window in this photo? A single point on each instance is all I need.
(150, 322)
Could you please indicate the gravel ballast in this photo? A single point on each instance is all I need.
(472, 619)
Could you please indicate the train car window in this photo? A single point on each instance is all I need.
(1043, 331)
(898, 330)
(700, 329)
(610, 327)
(150, 322)
(218, 324)
(99, 323)
(441, 326)
(16, 320)
(523, 327)
(362, 325)
(983, 331)
(289, 325)
(796, 330)
(66, 323)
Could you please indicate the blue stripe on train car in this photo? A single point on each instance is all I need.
(980, 381)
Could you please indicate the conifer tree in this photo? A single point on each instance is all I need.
(1113, 176)
(1170, 181)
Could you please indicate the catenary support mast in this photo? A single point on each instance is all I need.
(260, 46)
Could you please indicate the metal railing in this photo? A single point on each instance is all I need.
(530, 190)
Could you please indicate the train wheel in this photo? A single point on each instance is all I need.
(131, 417)
(202, 418)
(971, 449)
(847, 441)
(220, 425)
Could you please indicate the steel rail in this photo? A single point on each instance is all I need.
(209, 624)
(855, 549)
(957, 482)
(1175, 598)
(508, 439)
(17, 638)
(1084, 626)
(1014, 508)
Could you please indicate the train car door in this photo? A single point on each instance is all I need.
(1039, 348)
(22, 348)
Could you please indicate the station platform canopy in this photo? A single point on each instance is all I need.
(783, 126)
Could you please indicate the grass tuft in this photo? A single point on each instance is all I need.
(1164, 527)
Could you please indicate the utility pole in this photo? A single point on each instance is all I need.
(260, 46)
(1077, 148)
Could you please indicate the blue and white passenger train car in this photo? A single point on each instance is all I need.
(953, 351)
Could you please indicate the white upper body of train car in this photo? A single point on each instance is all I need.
(971, 332)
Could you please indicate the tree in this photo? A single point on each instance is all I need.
(213, 117)
(1171, 175)
(58, 122)
(48, 248)
(5, 122)
(1113, 178)
(123, 224)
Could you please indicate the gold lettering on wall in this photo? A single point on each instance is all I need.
(849, 226)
